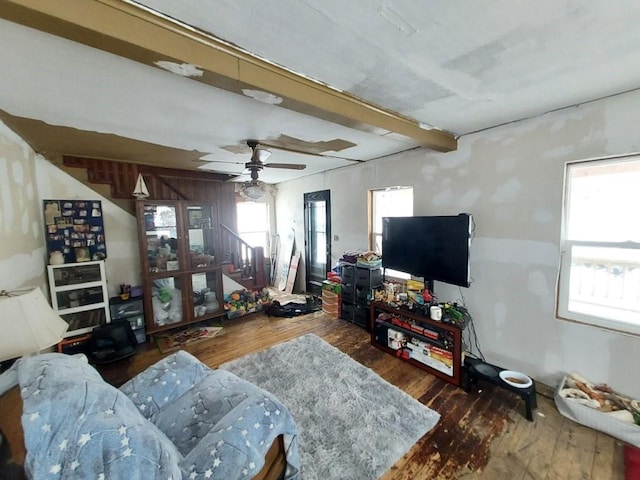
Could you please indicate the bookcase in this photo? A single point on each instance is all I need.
(433, 346)
(79, 295)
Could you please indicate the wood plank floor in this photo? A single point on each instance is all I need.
(481, 435)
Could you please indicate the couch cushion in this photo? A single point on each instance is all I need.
(78, 426)
(222, 424)
(164, 382)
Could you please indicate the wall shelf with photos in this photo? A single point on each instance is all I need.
(74, 231)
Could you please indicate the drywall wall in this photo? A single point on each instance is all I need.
(22, 250)
(511, 179)
(27, 178)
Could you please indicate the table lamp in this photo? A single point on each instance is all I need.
(28, 324)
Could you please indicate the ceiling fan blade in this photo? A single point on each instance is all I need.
(228, 162)
(290, 166)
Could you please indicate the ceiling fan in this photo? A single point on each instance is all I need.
(258, 157)
(255, 189)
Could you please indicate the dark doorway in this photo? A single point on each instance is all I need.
(317, 239)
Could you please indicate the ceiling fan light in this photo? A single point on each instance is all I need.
(253, 191)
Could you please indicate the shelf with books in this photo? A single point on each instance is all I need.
(433, 346)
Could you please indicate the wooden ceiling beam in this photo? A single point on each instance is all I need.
(139, 34)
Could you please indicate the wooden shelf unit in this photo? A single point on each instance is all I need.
(180, 255)
(433, 346)
(79, 295)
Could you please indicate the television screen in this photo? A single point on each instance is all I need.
(435, 248)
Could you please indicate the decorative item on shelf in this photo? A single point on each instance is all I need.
(28, 323)
(435, 312)
(173, 265)
(200, 261)
(211, 302)
(161, 263)
(140, 191)
(125, 291)
(56, 258)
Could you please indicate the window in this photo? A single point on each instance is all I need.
(599, 280)
(253, 224)
(388, 202)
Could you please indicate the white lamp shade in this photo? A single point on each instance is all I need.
(28, 324)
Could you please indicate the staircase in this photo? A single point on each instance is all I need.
(241, 262)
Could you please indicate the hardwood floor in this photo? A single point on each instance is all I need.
(481, 435)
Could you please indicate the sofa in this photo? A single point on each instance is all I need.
(178, 419)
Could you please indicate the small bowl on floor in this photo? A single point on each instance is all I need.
(515, 379)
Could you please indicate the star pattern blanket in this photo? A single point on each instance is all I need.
(178, 419)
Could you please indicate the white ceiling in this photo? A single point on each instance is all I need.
(458, 66)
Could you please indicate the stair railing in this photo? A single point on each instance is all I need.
(243, 258)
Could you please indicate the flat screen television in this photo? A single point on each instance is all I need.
(435, 248)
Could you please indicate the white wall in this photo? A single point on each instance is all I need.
(510, 178)
(22, 249)
(26, 179)
(121, 234)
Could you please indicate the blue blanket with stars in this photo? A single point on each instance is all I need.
(178, 419)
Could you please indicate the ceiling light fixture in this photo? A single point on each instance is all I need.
(253, 190)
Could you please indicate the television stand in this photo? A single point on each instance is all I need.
(435, 347)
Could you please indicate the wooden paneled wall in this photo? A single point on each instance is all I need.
(162, 183)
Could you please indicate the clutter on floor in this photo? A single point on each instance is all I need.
(600, 407)
(243, 302)
(168, 342)
(293, 309)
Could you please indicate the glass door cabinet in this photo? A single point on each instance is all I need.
(182, 278)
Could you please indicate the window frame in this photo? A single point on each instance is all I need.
(567, 246)
(267, 233)
(372, 234)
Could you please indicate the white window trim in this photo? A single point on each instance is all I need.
(392, 275)
(562, 295)
(563, 280)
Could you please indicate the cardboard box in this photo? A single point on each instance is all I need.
(331, 286)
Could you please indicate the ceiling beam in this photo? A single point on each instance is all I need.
(139, 34)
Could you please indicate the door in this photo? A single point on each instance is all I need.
(317, 239)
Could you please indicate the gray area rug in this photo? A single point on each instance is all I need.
(352, 423)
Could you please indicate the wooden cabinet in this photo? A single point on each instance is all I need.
(435, 347)
(79, 295)
(179, 252)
